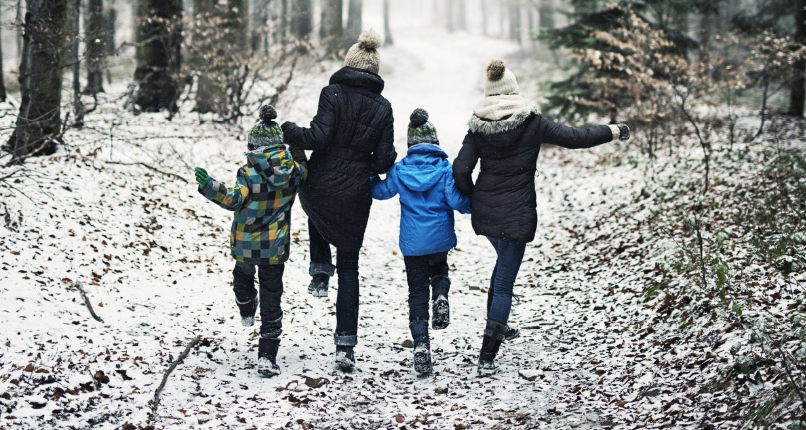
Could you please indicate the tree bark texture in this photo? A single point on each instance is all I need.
(2, 78)
(110, 26)
(157, 73)
(796, 93)
(95, 46)
(39, 121)
(301, 18)
(354, 22)
(78, 106)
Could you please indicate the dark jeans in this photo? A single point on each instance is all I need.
(508, 262)
(347, 298)
(422, 271)
(270, 278)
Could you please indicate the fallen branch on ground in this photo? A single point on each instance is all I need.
(87, 302)
(156, 402)
(139, 163)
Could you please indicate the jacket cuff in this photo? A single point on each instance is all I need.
(204, 189)
(615, 130)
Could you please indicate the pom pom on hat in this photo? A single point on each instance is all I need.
(495, 70)
(267, 113)
(418, 117)
(369, 41)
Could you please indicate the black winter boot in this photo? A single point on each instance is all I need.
(318, 286)
(422, 346)
(511, 332)
(440, 308)
(247, 310)
(493, 336)
(267, 356)
(345, 358)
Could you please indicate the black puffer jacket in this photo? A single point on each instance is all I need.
(351, 136)
(503, 197)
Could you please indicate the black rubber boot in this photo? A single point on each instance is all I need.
(493, 336)
(511, 332)
(319, 285)
(422, 346)
(345, 358)
(267, 356)
(247, 310)
(440, 308)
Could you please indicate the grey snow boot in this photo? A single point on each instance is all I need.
(345, 358)
(422, 346)
(493, 336)
(247, 310)
(267, 356)
(440, 309)
(318, 286)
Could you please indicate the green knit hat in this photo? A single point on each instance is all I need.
(266, 132)
(420, 129)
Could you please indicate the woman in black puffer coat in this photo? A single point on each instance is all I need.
(351, 137)
(505, 133)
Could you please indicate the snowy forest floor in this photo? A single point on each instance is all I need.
(602, 344)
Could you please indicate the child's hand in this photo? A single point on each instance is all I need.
(201, 176)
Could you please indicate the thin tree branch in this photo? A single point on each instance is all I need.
(87, 302)
(156, 401)
(173, 175)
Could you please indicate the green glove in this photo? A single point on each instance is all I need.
(201, 176)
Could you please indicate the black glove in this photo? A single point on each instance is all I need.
(624, 131)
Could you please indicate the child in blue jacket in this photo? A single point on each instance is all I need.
(428, 197)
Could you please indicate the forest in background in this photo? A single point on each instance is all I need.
(713, 90)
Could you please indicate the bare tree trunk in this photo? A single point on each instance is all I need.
(19, 25)
(354, 21)
(387, 29)
(283, 21)
(546, 12)
(301, 22)
(157, 72)
(483, 17)
(332, 25)
(78, 106)
(451, 14)
(39, 121)
(110, 26)
(796, 93)
(2, 78)
(461, 12)
(514, 22)
(95, 47)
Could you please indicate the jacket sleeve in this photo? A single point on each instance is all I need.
(228, 198)
(574, 138)
(322, 126)
(384, 156)
(456, 200)
(384, 189)
(464, 164)
(301, 161)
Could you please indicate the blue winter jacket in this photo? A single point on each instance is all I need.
(428, 197)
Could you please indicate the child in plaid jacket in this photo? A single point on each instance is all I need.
(262, 198)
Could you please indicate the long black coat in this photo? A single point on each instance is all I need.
(351, 136)
(503, 197)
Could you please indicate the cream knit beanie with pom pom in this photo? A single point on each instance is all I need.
(500, 80)
(364, 54)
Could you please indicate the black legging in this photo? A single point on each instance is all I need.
(347, 298)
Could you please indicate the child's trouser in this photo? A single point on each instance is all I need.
(423, 271)
(508, 262)
(270, 279)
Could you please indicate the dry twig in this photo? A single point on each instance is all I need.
(87, 302)
(156, 402)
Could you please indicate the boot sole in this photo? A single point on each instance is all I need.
(268, 373)
(422, 364)
(442, 315)
(318, 293)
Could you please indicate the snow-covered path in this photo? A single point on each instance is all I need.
(153, 258)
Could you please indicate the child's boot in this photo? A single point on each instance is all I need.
(493, 336)
(267, 356)
(422, 346)
(345, 358)
(440, 309)
(318, 286)
(247, 310)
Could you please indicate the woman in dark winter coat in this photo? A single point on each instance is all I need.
(505, 133)
(351, 137)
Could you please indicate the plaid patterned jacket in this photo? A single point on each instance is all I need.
(262, 198)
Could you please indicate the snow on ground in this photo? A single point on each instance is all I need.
(152, 255)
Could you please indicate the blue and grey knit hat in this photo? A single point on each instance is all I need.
(420, 129)
(266, 132)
